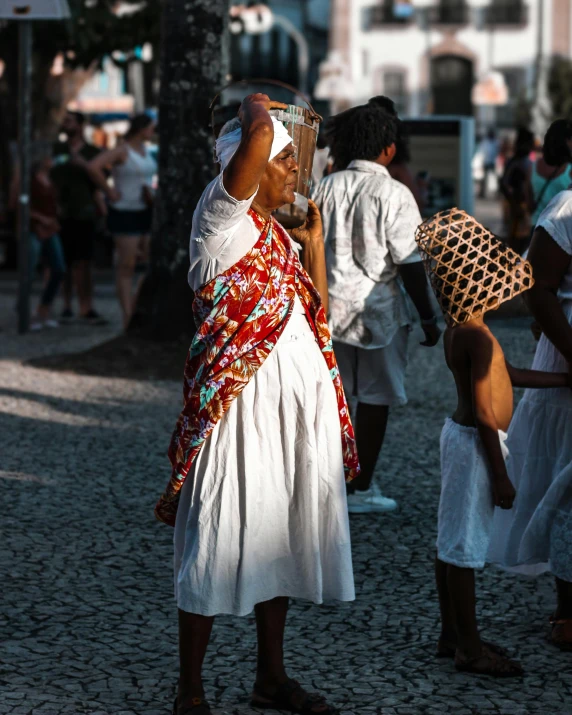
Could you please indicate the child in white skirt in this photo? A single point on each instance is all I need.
(472, 272)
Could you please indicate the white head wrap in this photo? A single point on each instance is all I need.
(227, 144)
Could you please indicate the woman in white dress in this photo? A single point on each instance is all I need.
(133, 169)
(536, 535)
(262, 513)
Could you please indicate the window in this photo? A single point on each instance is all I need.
(395, 87)
(389, 12)
(451, 12)
(506, 12)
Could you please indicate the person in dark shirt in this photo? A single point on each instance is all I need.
(516, 191)
(80, 206)
(44, 244)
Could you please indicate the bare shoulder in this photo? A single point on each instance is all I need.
(472, 337)
(121, 153)
(469, 344)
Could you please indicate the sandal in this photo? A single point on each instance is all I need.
(292, 697)
(489, 663)
(447, 649)
(561, 635)
(199, 706)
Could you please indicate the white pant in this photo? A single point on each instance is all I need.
(466, 506)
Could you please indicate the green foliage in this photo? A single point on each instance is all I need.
(559, 84)
(94, 31)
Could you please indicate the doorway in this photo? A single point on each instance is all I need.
(452, 79)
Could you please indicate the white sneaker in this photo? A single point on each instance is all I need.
(36, 325)
(51, 323)
(370, 502)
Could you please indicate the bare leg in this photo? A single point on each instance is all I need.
(564, 593)
(448, 631)
(83, 280)
(270, 671)
(270, 624)
(126, 249)
(461, 584)
(371, 424)
(194, 636)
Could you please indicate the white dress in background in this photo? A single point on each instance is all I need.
(263, 510)
(536, 534)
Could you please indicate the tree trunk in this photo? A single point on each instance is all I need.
(193, 68)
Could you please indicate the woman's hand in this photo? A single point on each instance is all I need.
(311, 230)
(260, 100)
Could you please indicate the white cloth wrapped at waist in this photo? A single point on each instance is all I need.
(227, 144)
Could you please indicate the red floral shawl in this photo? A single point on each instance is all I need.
(241, 315)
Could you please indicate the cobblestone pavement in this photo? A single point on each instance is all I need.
(88, 622)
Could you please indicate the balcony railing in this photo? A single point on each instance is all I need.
(506, 12)
(384, 14)
(452, 12)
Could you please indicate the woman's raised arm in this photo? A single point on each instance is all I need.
(244, 171)
(97, 166)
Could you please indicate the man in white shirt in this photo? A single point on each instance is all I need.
(373, 262)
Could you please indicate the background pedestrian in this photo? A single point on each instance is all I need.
(133, 168)
(537, 535)
(373, 263)
(516, 190)
(550, 174)
(80, 205)
(44, 244)
(489, 147)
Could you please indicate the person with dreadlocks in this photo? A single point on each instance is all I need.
(369, 228)
(472, 272)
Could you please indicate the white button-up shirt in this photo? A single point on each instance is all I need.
(369, 229)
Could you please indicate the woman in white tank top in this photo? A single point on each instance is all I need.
(131, 200)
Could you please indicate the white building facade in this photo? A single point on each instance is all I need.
(427, 55)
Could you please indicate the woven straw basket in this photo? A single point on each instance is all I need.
(470, 270)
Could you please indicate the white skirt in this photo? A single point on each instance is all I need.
(536, 535)
(263, 511)
(466, 506)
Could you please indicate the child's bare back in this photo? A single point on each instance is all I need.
(478, 364)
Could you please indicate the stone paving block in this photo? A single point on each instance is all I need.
(88, 621)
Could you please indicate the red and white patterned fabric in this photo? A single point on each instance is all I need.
(241, 314)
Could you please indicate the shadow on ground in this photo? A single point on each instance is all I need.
(125, 357)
